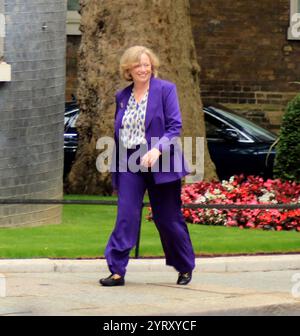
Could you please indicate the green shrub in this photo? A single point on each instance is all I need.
(287, 160)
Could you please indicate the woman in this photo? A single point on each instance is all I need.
(148, 116)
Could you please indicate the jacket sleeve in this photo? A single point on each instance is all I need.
(173, 122)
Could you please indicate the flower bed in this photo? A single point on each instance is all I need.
(238, 190)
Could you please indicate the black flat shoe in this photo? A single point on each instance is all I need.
(184, 278)
(110, 281)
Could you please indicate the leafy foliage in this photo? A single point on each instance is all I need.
(287, 160)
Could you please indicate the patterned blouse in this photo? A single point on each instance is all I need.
(133, 122)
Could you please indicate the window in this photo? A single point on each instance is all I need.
(73, 18)
(294, 28)
(218, 129)
(73, 5)
(213, 128)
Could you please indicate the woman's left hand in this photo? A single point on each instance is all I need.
(149, 159)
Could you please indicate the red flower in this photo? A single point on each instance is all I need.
(186, 213)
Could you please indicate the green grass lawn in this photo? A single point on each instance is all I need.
(85, 230)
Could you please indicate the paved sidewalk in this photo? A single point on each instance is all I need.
(256, 285)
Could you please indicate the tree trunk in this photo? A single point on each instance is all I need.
(108, 28)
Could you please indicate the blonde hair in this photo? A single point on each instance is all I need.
(131, 57)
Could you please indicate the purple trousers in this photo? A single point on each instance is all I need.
(166, 210)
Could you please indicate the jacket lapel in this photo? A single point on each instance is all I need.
(122, 102)
(153, 98)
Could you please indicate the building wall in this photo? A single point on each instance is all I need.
(32, 110)
(247, 62)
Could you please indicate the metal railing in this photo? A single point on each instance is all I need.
(291, 206)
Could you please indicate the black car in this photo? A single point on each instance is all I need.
(236, 145)
(70, 135)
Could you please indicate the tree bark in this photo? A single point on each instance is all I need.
(108, 28)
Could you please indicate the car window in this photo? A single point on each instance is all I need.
(73, 120)
(251, 127)
(70, 114)
(70, 122)
(214, 127)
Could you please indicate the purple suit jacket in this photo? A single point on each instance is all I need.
(163, 121)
